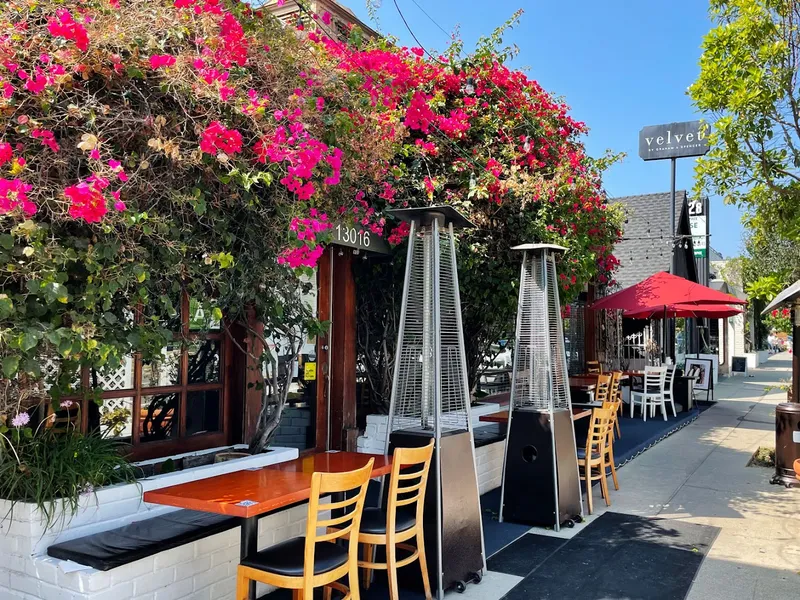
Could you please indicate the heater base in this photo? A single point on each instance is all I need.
(532, 476)
(462, 548)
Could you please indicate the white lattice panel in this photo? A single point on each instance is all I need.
(120, 379)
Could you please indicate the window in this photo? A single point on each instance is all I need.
(175, 403)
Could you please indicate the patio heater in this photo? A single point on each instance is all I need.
(787, 414)
(430, 397)
(541, 484)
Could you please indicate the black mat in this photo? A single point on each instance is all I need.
(525, 554)
(620, 557)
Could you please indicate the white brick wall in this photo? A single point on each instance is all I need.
(489, 464)
(202, 570)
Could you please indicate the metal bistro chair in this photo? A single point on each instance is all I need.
(302, 564)
(401, 521)
(669, 386)
(593, 458)
(652, 392)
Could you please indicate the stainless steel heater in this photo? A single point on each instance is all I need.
(541, 484)
(430, 398)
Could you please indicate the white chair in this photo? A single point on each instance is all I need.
(668, 389)
(652, 391)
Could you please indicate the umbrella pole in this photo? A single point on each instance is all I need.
(664, 338)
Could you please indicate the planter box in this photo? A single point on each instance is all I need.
(208, 564)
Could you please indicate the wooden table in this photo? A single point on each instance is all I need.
(502, 416)
(251, 493)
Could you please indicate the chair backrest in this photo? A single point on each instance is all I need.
(601, 393)
(351, 509)
(593, 366)
(654, 377)
(596, 439)
(671, 376)
(616, 378)
(409, 480)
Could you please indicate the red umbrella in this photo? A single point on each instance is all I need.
(697, 311)
(663, 290)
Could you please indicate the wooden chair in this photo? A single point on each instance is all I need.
(603, 388)
(669, 385)
(609, 447)
(401, 521)
(593, 366)
(652, 392)
(593, 458)
(302, 564)
(615, 396)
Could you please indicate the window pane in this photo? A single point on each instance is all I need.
(158, 419)
(204, 361)
(164, 371)
(202, 412)
(200, 318)
(114, 418)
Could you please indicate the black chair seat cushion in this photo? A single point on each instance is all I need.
(582, 454)
(110, 549)
(374, 521)
(287, 558)
(653, 389)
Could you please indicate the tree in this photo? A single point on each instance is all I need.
(491, 142)
(151, 149)
(748, 86)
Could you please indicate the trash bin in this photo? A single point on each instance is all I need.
(787, 443)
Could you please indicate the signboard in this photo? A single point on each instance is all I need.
(698, 221)
(310, 371)
(358, 237)
(673, 140)
(739, 364)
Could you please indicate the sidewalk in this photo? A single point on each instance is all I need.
(699, 475)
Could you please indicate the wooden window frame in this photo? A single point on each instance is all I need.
(179, 443)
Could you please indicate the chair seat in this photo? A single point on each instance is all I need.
(582, 454)
(652, 390)
(287, 558)
(374, 521)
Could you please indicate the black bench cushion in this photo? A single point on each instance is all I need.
(489, 434)
(373, 520)
(110, 549)
(287, 558)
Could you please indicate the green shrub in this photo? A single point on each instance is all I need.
(48, 468)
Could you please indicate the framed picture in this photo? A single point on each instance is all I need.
(702, 369)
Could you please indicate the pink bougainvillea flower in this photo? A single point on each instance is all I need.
(86, 201)
(6, 153)
(158, 61)
(45, 58)
(218, 138)
(226, 92)
(14, 194)
(8, 90)
(65, 26)
(114, 4)
(320, 103)
(120, 206)
(326, 18)
(47, 138)
(94, 154)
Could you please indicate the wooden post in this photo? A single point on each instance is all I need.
(343, 354)
(324, 291)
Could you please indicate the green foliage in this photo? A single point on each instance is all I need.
(748, 86)
(54, 470)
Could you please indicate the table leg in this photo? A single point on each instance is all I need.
(249, 546)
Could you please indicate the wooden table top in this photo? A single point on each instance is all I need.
(268, 488)
(502, 416)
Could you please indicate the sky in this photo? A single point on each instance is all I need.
(619, 64)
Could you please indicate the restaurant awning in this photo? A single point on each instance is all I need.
(663, 290)
(785, 298)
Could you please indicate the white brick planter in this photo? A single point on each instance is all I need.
(202, 570)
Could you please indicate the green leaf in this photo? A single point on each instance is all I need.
(10, 366)
(6, 241)
(6, 307)
(29, 341)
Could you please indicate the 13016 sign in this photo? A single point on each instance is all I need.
(356, 236)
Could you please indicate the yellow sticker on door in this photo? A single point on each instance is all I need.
(310, 371)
